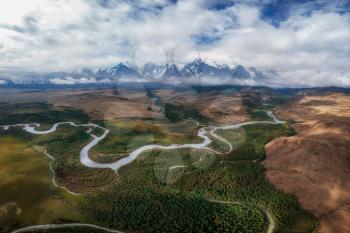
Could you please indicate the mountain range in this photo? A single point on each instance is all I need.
(195, 71)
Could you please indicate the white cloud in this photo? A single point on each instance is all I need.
(71, 81)
(52, 35)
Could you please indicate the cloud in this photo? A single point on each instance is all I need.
(71, 81)
(306, 43)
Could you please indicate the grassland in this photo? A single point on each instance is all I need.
(27, 191)
(26, 181)
(218, 145)
(128, 134)
(236, 137)
(65, 146)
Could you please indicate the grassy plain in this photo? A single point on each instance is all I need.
(28, 195)
(218, 145)
(129, 134)
(26, 181)
(234, 136)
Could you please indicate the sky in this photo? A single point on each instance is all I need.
(306, 42)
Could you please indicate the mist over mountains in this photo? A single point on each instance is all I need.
(195, 72)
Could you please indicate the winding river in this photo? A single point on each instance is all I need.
(84, 153)
(85, 159)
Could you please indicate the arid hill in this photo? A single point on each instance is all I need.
(110, 104)
(314, 165)
(98, 104)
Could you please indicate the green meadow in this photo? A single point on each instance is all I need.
(127, 135)
(26, 181)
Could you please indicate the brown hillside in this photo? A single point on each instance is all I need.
(314, 165)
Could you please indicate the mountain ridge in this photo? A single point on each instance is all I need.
(192, 72)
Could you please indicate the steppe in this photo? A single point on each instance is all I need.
(314, 165)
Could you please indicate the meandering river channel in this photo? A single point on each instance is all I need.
(84, 153)
(85, 159)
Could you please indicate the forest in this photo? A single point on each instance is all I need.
(145, 198)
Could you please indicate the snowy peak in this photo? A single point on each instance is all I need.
(194, 68)
(118, 71)
(152, 70)
(199, 68)
(171, 70)
(156, 71)
(124, 69)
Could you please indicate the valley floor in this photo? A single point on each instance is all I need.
(212, 182)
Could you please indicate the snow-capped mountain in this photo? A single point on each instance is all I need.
(199, 68)
(160, 71)
(171, 71)
(195, 71)
(152, 70)
(118, 71)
